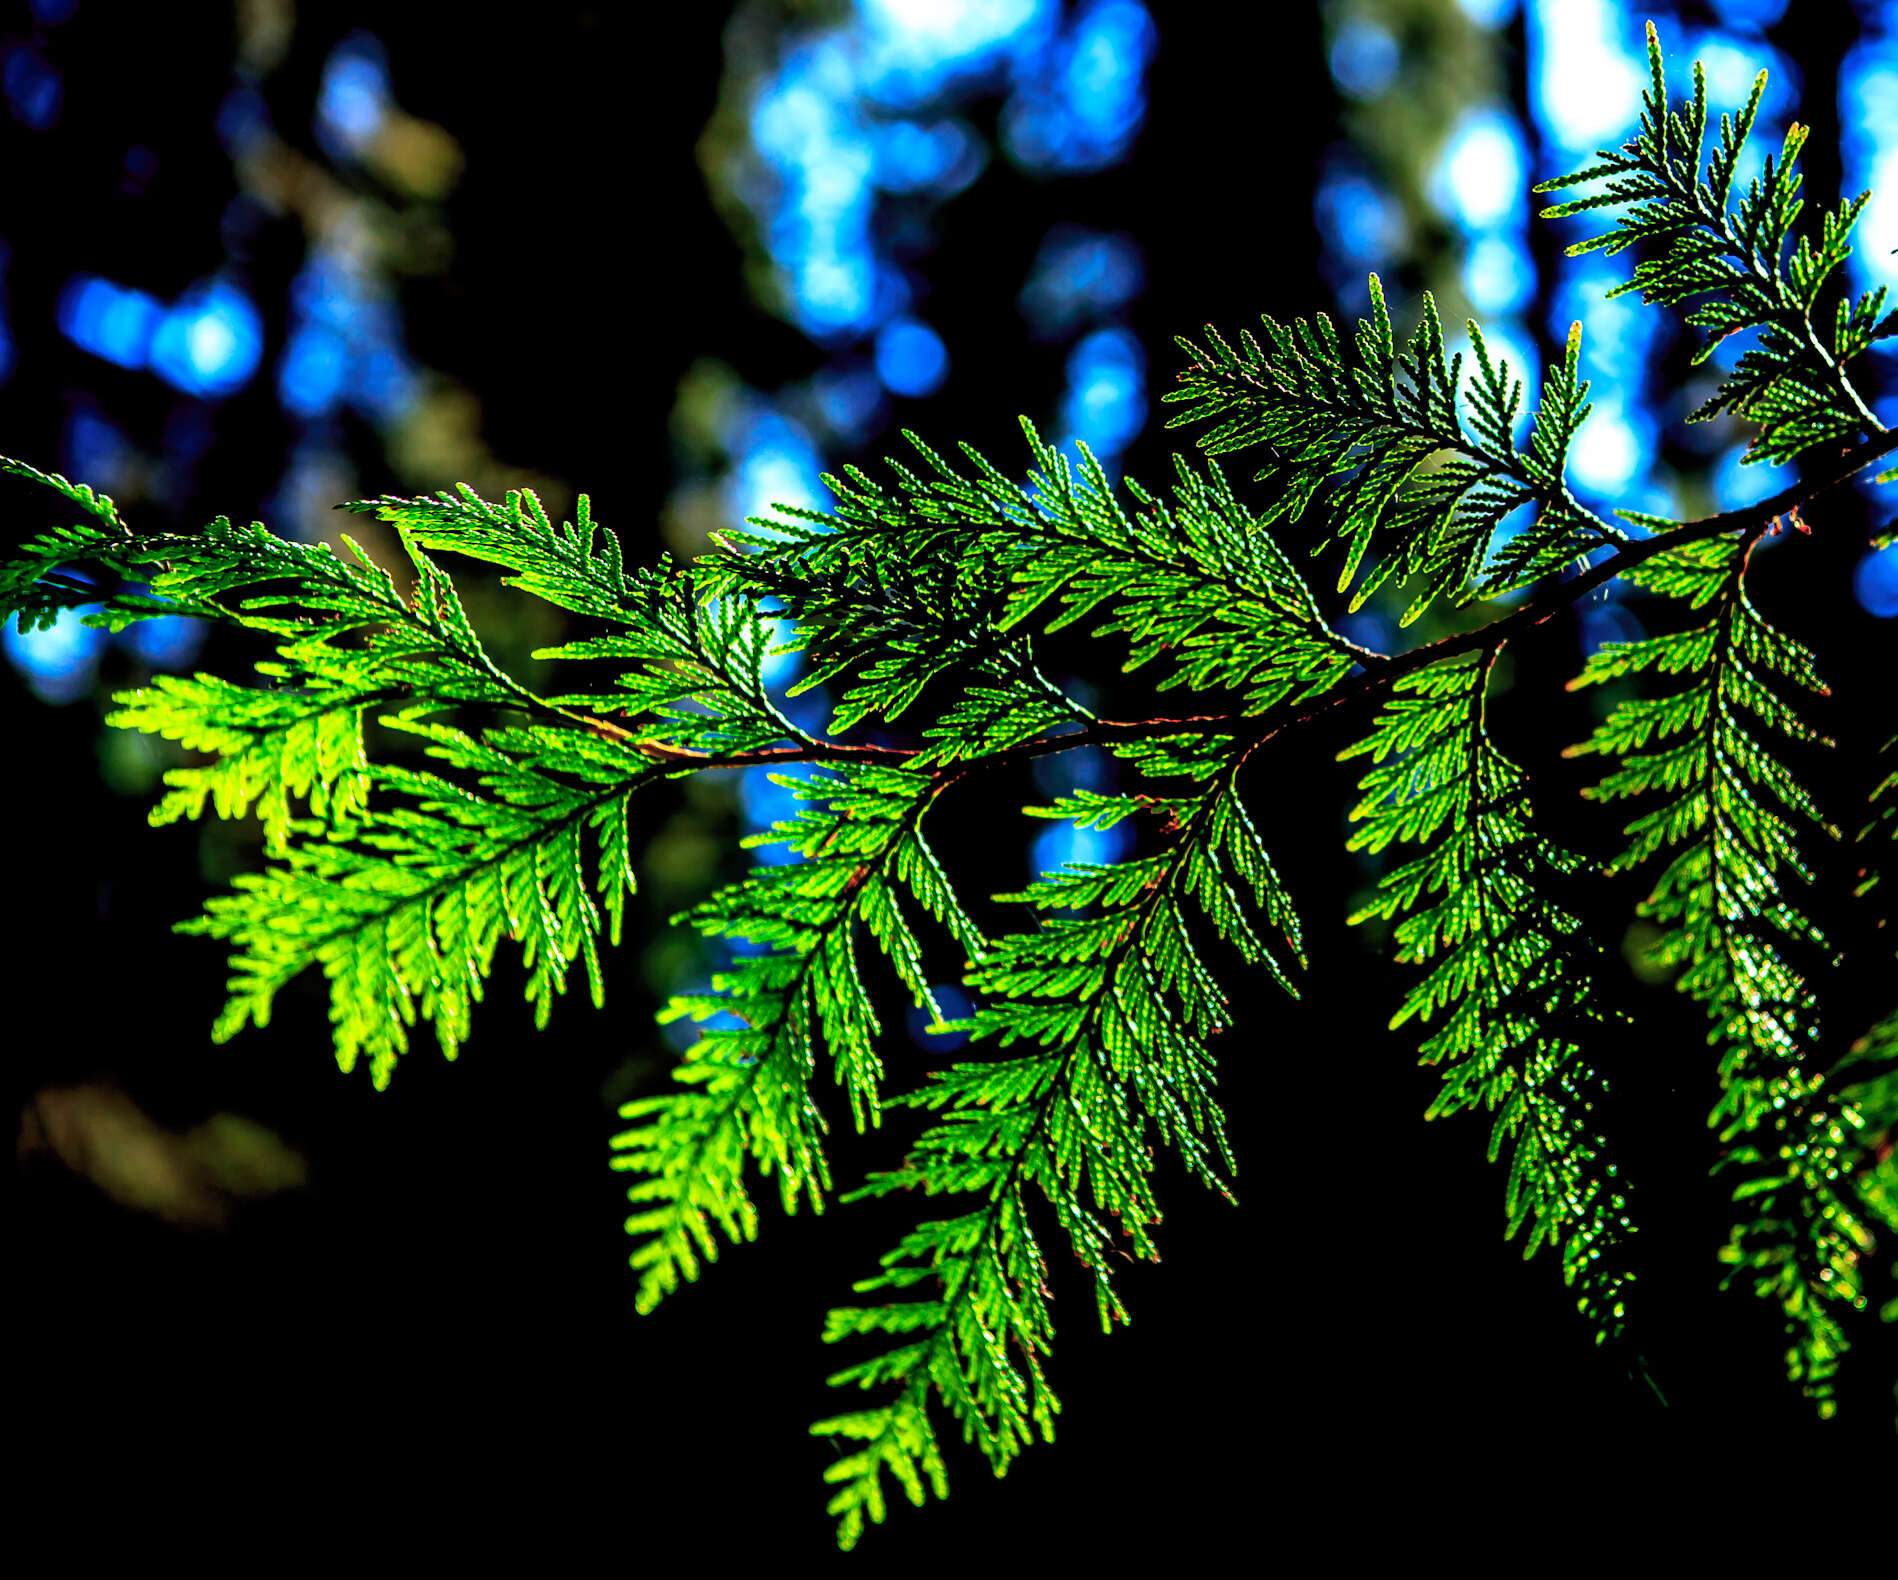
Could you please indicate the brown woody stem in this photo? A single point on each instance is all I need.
(1380, 670)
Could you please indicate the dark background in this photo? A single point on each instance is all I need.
(446, 1312)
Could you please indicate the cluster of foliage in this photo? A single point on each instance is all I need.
(920, 599)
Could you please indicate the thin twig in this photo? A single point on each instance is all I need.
(1380, 669)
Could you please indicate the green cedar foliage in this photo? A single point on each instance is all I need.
(1511, 974)
(922, 600)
